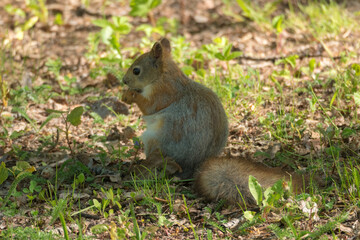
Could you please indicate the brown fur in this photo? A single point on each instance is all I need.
(223, 178)
(193, 120)
(186, 126)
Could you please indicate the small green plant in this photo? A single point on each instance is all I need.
(260, 15)
(26, 233)
(20, 171)
(321, 18)
(196, 236)
(110, 34)
(102, 206)
(71, 118)
(143, 8)
(67, 83)
(38, 10)
(58, 212)
(32, 191)
(109, 199)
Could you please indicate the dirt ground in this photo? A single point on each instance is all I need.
(199, 22)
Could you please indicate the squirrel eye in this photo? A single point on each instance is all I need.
(136, 71)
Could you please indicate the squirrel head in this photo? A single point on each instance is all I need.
(149, 67)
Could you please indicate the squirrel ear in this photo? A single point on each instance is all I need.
(165, 43)
(156, 50)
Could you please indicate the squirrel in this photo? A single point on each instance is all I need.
(187, 123)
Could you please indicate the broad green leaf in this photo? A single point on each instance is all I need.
(74, 116)
(226, 51)
(255, 190)
(3, 172)
(219, 56)
(234, 55)
(97, 204)
(100, 228)
(101, 23)
(22, 166)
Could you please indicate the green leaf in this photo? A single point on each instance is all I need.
(101, 23)
(292, 60)
(32, 185)
(23, 113)
(347, 132)
(81, 178)
(244, 6)
(219, 56)
(53, 111)
(356, 68)
(121, 25)
(30, 23)
(105, 34)
(277, 23)
(74, 116)
(226, 51)
(97, 204)
(249, 215)
(187, 70)
(234, 55)
(357, 98)
(58, 19)
(14, 11)
(333, 99)
(4, 173)
(48, 119)
(255, 190)
(21, 166)
(100, 228)
(58, 210)
(356, 175)
(312, 64)
(140, 8)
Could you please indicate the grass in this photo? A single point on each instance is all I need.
(309, 109)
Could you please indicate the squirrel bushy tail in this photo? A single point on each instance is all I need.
(224, 177)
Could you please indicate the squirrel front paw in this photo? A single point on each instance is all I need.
(129, 95)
